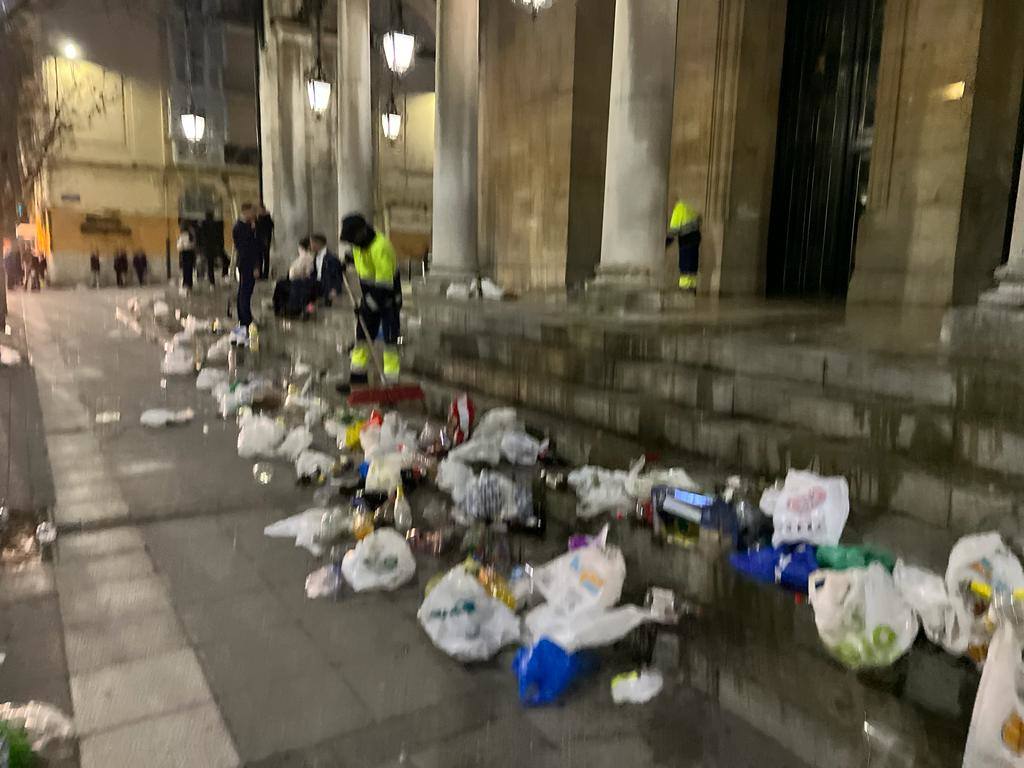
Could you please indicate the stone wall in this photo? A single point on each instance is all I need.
(728, 70)
(949, 88)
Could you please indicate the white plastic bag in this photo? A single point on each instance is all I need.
(521, 448)
(925, 592)
(160, 308)
(178, 361)
(303, 528)
(385, 473)
(454, 478)
(218, 351)
(808, 508)
(382, 560)
(638, 484)
(861, 617)
(313, 464)
(586, 578)
(590, 628)
(42, 722)
(481, 449)
(983, 558)
(209, 378)
(996, 736)
(498, 421)
(637, 687)
(295, 442)
(259, 436)
(490, 290)
(162, 417)
(599, 490)
(465, 622)
(457, 291)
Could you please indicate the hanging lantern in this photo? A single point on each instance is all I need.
(399, 51)
(193, 125)
(318, 89)
(391, 120)
(534, 6)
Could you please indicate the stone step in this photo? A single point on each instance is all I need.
(924, 432)
(946, 497)
(985, 389)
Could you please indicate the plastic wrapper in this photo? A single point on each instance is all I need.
(637, 687)
(996, 735)
(638, 484)
(294, 443)
(380, 561)
(599, 490)
(454, 478)
(861, 617)
(162, 417)
(465, 622)
(937, 610)
(481, 449)
(385, 473)
(498, 421)
(591, 577)
(259, 436)
(304, 528)
(587, 628)
(461, 416)
(161, 308)
(209, 378)
(789, 565)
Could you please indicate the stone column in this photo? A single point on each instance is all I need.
(455, 139)
(1011, 275)
(355, 116)
(639, 143)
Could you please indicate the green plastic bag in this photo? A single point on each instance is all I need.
(839, 558)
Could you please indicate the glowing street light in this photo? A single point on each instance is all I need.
(69, 50)
(391, 120)
(399, 51)
(318, 89)
(193, 125)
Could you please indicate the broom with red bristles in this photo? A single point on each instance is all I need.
(385, 394)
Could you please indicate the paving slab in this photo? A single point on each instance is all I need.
(136, 690)
(93, 646)
(112, 601)
(190, 737)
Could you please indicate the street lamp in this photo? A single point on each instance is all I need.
(318, 89)
(193, 125)
(535, 6)
(391, 120)
(69, 50)
(399, 50)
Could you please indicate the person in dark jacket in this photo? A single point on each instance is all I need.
(94, 269)
(265, 237)
(141, 264)
(327, 269)
(247, 261)
(211, 240)
(121, 267)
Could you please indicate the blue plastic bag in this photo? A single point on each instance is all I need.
(546, 671)
(788, 564)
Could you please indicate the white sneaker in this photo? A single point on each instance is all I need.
(240, 336)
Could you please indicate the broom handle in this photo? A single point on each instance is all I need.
(378, 366)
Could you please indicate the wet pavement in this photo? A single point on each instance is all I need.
(188, 638)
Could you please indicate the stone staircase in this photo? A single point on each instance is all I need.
(933, 447)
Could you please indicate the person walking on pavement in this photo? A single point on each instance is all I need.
(94, 269)
(375, 263)
(247, 260)
(684, 227)
(186, 255)
(265, 237)
(120, 267)
(211, 240)
(141, 265)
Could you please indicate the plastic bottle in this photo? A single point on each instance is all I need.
(403, 512)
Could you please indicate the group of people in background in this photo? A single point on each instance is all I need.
(24, 267)
(206, 239)
(139, 262)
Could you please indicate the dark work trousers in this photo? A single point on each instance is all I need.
(689, 253)
(187, 261)
(211, 262)
(246, 285)
(265, 263)
(386, 321)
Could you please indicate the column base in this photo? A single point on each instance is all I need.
(1009, 292)
(439, 279)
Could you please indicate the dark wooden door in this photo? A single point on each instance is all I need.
(826, 117)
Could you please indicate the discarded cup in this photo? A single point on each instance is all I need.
(46, 534)
(263, 471)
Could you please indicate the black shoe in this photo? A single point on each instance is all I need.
(343, 388)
